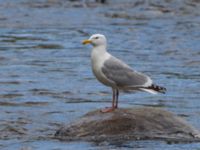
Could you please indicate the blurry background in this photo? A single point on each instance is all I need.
(45, 73)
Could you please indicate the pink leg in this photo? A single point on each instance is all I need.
(110, 109)
(116, 101)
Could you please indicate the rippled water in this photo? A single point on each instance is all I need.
(46, 79)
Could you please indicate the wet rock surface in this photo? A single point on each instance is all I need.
(129, 124)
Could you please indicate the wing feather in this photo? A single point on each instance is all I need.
(123, 75)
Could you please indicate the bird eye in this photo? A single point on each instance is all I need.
(96, 37)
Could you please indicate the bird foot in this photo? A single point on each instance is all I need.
(107, 109)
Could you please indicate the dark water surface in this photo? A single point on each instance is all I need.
(45, 74)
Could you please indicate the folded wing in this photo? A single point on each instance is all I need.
(123, 75)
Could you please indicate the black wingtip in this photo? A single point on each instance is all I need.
(158, 88)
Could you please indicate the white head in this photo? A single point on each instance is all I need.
(96, 40)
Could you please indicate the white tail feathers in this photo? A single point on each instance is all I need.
(154, 89)
(149, 91)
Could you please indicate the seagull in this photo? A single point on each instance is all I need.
(116, 74)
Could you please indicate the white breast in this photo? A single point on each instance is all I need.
(98, 57)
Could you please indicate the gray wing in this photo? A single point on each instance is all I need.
(123, 75)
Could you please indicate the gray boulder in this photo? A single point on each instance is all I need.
(129, 124)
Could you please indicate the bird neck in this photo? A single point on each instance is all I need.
(98, 52)
(99, 49)
(98, 57)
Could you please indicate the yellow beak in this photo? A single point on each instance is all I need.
(86, 42)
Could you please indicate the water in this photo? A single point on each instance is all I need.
(46, 79)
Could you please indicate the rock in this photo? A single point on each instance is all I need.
(129, 124)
